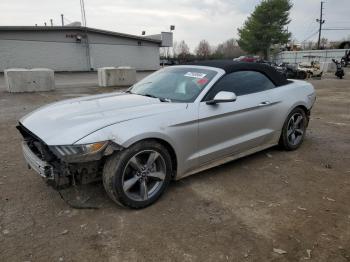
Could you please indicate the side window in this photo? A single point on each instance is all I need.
(241, 83)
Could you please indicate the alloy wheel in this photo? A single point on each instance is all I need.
(144, 175)
(295, 129)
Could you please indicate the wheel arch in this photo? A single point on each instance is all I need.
(307, 113)
(167, 145)
(298, 105)
(302, 107)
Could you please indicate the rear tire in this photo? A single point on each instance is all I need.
(137, 176)
(294, 129)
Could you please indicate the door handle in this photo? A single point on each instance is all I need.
(265, 103)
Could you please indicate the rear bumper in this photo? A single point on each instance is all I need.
(41, 167)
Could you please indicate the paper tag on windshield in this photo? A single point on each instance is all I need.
(195, 75)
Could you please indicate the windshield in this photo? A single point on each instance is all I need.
(174, 84)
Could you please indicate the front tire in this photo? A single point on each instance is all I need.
(137, 176)
(302, 75)
(294, 129)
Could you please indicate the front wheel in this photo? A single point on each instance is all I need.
(302, 75)
(137, 176)
(294, 129)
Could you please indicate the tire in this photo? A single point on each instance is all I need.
(132, 179)
(302, 75)
(293, 126)
(343, 62)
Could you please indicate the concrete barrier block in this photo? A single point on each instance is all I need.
(102, 75)
(116, 76)
(29, 80)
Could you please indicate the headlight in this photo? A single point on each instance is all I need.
(80, 153)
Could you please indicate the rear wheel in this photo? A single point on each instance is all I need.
(294, 129)
(343, 62)
(137, 176)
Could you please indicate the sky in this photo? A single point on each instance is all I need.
(194, 20)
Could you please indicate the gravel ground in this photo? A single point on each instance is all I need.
(270, 206)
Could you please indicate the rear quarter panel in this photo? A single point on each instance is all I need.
(287, 97)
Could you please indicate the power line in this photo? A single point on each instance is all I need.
(313, 34)
(308, 35)
(340, 22)
(67, 20)
(311, 20)
(309, 28)
(336, 29)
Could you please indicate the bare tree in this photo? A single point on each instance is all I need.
(183, 51)
(175, 50)
(228, 50)
(162, 53)
(203, 50)
(310, 45)
(324, 42)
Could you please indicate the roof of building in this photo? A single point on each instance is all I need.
(232, 66)
(76, 28)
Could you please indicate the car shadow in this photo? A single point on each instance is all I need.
(231, 165)
(93, 196)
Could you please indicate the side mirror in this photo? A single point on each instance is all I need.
(223, 97)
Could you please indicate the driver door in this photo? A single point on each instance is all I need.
(235, 127)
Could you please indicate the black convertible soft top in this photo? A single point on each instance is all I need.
(230, 66)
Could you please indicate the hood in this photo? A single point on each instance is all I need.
(66, 122)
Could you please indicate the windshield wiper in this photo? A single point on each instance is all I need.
(149, 95)
(162, 99)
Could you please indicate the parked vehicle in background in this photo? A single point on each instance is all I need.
(168, 62)
(293, 72)
(290, 71)
(279, 67)
(248, 59)
(312, 69)
(345, 60)
(339, 71)
(176, 122)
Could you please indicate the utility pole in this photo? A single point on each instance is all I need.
(321, 22)
(83, 18)
(62, 20)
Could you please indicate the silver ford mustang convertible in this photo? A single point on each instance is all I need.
(176, 122)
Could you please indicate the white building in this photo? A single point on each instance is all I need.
(77, 48)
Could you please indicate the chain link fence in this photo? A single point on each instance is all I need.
(295, 57)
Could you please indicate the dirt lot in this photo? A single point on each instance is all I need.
(294, 201)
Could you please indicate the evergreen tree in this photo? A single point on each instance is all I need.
(265, 27)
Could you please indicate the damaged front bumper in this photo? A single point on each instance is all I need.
(65, 165)
(44, 169)
(60, 174)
